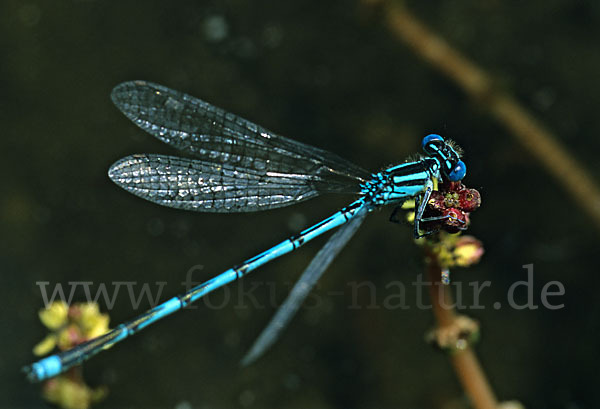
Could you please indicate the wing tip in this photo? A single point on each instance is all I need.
(126, 88)
(121, 169)
(247, 360)
(256, 351)
(115, 171)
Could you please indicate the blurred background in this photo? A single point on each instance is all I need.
(328, 74)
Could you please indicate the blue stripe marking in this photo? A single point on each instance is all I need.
(329, 224)
(402, 179)
(219, 281)
(161, 311)
(266, 256)
(47, 367)
(123, 333)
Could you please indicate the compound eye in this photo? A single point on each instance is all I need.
(459, 172)
(429, 139)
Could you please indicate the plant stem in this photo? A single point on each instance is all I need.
(465, 362)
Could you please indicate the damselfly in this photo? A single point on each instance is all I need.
(238, 166)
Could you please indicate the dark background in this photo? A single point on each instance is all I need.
(329, 74)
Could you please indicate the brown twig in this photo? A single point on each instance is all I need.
(465, 362)
(530, 133)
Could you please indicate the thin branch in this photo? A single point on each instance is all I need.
(465, 362)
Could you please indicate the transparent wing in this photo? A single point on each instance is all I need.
(307, 281)
(213, 135)
(194, 184)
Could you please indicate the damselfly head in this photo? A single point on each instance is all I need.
(458, 172)
(457, 148)
(448, 155)
(432, 143)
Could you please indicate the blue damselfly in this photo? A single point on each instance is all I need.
(237, 166)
